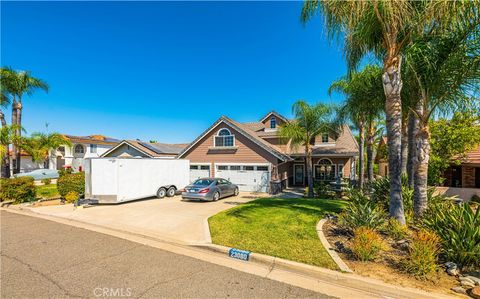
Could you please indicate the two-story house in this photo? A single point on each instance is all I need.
(253, 155)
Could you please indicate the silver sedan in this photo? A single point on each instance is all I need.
(211, 189)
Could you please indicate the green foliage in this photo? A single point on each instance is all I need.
(323, 190)
(38, 145)
(458, 226)
(475, 198)
(21, 189)
(71, 197)
(361, 211)
(422, 254)
(71, 182)
(396, 230)
(366, 244)
(450, 141)
(47, 191)
(65, 171)
(46, 181)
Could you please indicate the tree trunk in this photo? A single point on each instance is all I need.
(5, 169)
(392, 86)
(370, 141)
(422, 156)
(308, 162)
(361, 162)
(412, 132)
(13, 161)
(404, 145)
(19, 134)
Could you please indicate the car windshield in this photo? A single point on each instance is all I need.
(202, 182)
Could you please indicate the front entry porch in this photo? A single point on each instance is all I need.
(325, 169)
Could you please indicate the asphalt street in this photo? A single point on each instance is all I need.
(44, 259)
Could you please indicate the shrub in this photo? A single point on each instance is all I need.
(71, 182)
(396, 230)
(458, 227)
(360, 211)
(366, 244)
(71, 197)
(65, 171)
(46, 181)
(475, 198)
(323, 190)
(19, 189)
(422, 254)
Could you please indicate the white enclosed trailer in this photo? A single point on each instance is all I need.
(115, 180)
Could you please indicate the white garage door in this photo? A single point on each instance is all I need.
(247, 177)
(199, 171)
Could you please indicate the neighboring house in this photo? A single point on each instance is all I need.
(465, 175)
(82, 147)
(253, 156)
(26, 162)
(137, 148)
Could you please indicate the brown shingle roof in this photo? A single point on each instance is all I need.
(92, 139)
(157, 149)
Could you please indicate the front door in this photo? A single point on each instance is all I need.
(298, 174)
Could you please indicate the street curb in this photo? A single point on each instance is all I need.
(333, 254)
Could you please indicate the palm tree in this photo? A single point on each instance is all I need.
(17, 84)
(446, 72)
(4, 102)
(310, 121)
(7, 136)
(385, 29)
(363, 108)
(39, 145)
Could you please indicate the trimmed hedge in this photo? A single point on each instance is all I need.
(19, 189)
(71, 182)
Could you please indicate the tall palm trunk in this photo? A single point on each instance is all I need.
(361, 162)
(5, 169)
(412, 132)
(392, 87)
(308, 162)
(370, 154)
(14, 147)
(19, 134)
(422, 156)
(404, 144)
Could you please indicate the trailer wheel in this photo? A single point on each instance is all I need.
(171, 192)
(161, 193)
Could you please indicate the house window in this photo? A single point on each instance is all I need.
(235, 167)
(78, 149)
(222, 167)
(262, 168)
(93, 148)
(340, 170)
(325, 170)
(273, 122)
(325, 138)
(193, 167)
(224, 138)
(204, 167)
(248, 168)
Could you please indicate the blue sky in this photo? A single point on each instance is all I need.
(164, 70)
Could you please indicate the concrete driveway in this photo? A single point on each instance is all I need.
(167, 219)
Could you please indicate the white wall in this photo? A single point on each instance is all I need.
(27, 165)
(77, 160)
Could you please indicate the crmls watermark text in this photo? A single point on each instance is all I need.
(112, 292)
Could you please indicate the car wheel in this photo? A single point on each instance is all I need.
(216, 196)
(171, 192)
(161, 193)
(235, 192)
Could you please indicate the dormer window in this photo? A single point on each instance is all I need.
(224, 138)
(273, 123)
(324, 138)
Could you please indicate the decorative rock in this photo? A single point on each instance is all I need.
(475, 293)
(466, 279)
(467, 284)
(474, 279)
(453, 271)
(459, 290)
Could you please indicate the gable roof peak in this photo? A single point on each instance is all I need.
(274, 113)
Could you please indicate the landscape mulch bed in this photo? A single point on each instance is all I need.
(387, 267)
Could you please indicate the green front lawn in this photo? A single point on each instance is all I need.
(47, 191)
(284, 228)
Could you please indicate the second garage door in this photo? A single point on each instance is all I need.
(199, 171)
(248, 177)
